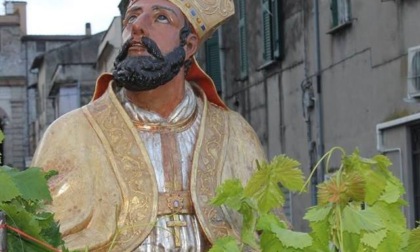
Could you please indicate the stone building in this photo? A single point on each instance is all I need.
(66, 78)
(109, 47)
(34, 46)
(17, 51)
(13, 82)
(311, 75)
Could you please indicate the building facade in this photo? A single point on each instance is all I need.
(312, 75)
(18, 83)
(66, 78)
(13, 82)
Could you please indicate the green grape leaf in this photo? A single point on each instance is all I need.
(225, 244)
(392, 193)
(296, 240)
(9, 190)
(50, 229)
(393, 242)
(287, 172)
(270, 243)
(229, 193)
(375, 185)
(318, 213)
(351, 242)
(32, 184)
(374, 239)
(265, 189)
(49, 174)
(390, 214)
(383, 163)
(21, 219)
(356, 220)
(321, 234)
(248, 234)
(414, 240)
(269, 223)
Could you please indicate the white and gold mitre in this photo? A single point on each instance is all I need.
(204, 15)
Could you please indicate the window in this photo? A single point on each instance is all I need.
(243, 50)
(340, 12)
(415, 70)
(213, 60)
(40, 46)
(68, 100)
(271, 29)
(413, 73)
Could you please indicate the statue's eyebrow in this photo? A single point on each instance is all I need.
(158, 7)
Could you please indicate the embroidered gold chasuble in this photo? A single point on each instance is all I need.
(106, 196)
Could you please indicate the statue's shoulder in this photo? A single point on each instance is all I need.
(67, 120)
(240, 131)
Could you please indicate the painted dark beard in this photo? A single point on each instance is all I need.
(141, 73)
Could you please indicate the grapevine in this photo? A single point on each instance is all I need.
(359, 208)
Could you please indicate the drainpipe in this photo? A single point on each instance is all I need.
(222, 61)
(318, 94)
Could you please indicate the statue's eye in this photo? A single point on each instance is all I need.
(162, 19)
(131, 19)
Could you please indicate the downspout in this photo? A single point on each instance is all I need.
(28, 121)
(318, 94)
(222, 62)
(308, 101)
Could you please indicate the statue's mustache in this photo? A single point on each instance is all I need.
(149, 44)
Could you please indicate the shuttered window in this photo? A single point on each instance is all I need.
(271, 29)
(243, 39)
(213, 60)
(340, 12)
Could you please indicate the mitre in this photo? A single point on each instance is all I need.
(204, 15)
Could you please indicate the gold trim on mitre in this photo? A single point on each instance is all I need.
(204, 15)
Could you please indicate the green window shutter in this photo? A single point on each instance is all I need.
(267, 38)
(242, 40)
(213, 60)
(276, 28)
(334, 12)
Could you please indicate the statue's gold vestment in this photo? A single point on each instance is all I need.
(105, 194)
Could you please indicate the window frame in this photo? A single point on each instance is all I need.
(340, 14)
(213, 68)
(243, 45)
(272, 27)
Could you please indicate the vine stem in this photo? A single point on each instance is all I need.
(25, 235)
(340, 217)
(326, 156)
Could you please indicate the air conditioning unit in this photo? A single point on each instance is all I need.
(413, 73)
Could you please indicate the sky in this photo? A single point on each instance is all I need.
(68, 17)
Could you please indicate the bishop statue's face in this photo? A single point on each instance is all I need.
(153, 53)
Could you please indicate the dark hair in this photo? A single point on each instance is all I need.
(186, 30)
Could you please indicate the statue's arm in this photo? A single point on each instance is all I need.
(84, 191)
